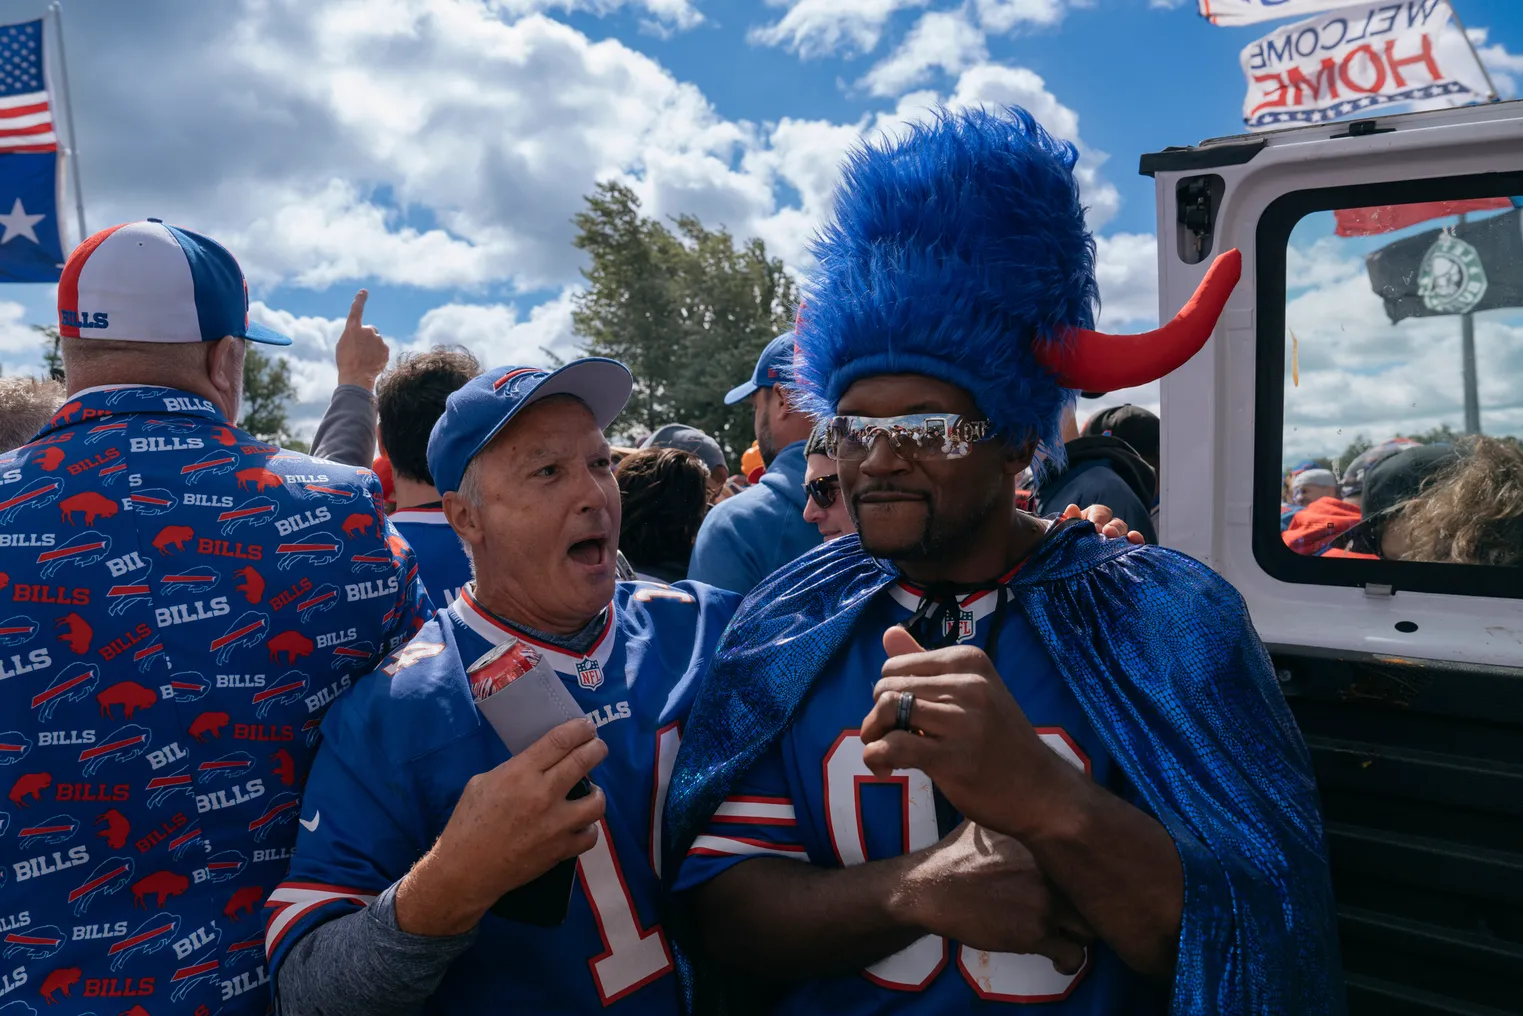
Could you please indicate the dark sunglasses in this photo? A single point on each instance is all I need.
(822, 490)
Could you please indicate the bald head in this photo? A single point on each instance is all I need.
(213, 370)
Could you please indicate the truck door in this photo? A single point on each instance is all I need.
(1375, 346)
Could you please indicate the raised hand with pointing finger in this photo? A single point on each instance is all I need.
(361, 354)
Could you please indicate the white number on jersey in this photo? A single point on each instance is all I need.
(1000, 977)
(631, 957)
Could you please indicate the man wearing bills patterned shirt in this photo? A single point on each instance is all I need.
(179, 605)
(416, 820)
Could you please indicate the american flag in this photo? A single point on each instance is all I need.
(26, 120)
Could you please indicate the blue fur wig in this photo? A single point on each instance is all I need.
(951, 251)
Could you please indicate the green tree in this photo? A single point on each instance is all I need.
(1356, 448)
(686, 308)
(52, 356)
(267, 392)
(1442, 434)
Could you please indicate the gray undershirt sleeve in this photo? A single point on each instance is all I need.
(347, 431)
(362, 964)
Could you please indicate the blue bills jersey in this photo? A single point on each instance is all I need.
(812, 799)
(442, 563)
(179, 605)
(398, 751)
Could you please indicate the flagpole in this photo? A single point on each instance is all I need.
(1468, 367)
(56, 9)
(1491, 87)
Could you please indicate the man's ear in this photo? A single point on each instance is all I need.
(462, 517)
(780, 400)
(224, 370)
(1018, 457)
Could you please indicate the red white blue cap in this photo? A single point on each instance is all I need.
(151, 282)
(477, 412)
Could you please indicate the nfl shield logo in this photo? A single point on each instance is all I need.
(959, 621)
(589, 675)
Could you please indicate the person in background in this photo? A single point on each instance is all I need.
(1470, 512)
(1101, 470)
(410, 398)
(664, 494)
(1473, 512)
(188, 601)
(26, 405)
(1311, 485)
(1388, 486)
(746, 537)
(1351, 483)
(1139, 428)
(825, 509)
(751, 465)
(691, 439)
(346, 432)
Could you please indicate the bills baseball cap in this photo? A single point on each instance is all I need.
(477, 412)
(775, 364)
(152, 282)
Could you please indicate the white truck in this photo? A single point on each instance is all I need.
(1406, 678)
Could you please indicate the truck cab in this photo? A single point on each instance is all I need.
(1380, 262)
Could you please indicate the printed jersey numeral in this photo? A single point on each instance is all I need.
(1000, 977)
(631, 957)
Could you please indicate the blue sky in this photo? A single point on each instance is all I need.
(434, 150)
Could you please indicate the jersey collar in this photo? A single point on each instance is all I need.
(980, 603)
(479, 620)
(427, 514)
(112, 400)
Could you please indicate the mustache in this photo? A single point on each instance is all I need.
(887, 487)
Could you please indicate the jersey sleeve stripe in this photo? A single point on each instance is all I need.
(294, 900)
(760, 810)
(732, 846)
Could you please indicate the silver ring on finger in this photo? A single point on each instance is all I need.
(906, 706)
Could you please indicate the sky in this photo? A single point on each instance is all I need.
(435, 151)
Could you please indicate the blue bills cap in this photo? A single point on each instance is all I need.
(476, 413)
(775, 364)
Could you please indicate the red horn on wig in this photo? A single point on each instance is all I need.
(1096, 362)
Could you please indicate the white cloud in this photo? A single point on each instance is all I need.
(21, 345)
(816, 28)
(663, 15)
(1003, 15)
(943, 40)
(1502, 64)
(1360, 374)
(1126, 267)
(494, 333)
(1168, 5)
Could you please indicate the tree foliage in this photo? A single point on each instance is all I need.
(52, 356)
(267, 393)
(684, 306)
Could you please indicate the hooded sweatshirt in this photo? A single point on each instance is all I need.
(1103, 470)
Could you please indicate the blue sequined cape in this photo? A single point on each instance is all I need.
(1161, 654)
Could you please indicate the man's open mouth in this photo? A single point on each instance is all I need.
(590, 552)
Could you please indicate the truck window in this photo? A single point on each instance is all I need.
(1390, 386)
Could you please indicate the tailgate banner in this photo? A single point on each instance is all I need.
(1248, 12)
(1356, 59)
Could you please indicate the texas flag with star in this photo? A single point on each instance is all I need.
(31, 249)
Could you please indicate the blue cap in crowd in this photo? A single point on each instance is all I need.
(476, 413)
(775, 364)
